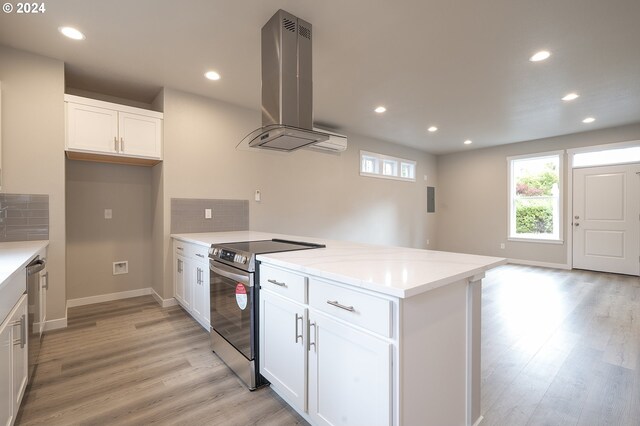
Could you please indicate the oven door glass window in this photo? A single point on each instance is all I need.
(231, 311)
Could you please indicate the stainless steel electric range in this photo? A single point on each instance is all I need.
(235, 302)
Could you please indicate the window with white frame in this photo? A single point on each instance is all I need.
(535, 197)
(387, 167)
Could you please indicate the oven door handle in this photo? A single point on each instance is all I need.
(231, 275)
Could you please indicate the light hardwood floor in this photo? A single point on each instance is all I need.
(558, 347)
(130, 362)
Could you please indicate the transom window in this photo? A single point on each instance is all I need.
(608, 156)
(535, 197)
(387, 167)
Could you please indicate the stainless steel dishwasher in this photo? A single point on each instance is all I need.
(35, 318)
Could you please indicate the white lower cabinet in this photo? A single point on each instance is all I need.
(330, 371)
(6, 375)
(283, 346)
(13, 362)
(191, 280)
(179, 287)
(349, 375)
(199, 284)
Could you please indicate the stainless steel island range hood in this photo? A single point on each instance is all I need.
(287, 88)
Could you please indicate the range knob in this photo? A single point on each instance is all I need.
(243, 259)
(215, 251)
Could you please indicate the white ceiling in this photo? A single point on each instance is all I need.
(460, 65)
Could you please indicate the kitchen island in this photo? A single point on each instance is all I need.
(365, 334)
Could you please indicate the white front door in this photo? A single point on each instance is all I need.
(606, 219)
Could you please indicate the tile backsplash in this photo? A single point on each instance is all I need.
(24, 217)
(187, 215)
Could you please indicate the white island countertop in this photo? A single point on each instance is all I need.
(15, 256)
(394, 271)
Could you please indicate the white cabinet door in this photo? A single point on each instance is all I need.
(139, 135)
(200, 288)
(92, 129)
(20, 352)
(179, 281)
(349, 375)
(6, 373)
(283, 358)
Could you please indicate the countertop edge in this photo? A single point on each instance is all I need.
(39, 245)
(393, 292)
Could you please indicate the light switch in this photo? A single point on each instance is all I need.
(207, 213)
(108, 214)
(257, 197)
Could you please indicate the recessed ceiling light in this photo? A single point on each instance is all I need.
(468, 142)
(570, 97)
(212, 75)
(380, 109)
(589, 120)
(540, 56)
(71, 33)
(432, 129)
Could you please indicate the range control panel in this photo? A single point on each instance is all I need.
(228, 255)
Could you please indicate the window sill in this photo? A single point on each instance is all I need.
(535, 240)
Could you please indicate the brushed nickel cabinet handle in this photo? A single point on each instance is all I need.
(115, 144)
(298, 336)
(315, 336)
(23, 332)
(122, 144)
(46, 281)
(277, 283)
(338, 305)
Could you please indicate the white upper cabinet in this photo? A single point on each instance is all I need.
(92, 129)
(103, 131)
(140, 135)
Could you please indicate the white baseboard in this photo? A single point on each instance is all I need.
(108, 297)
(164, 303)
(536, 263)
(480, 419)
(55, 324)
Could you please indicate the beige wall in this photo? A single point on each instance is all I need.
(472, 196)
(33, 149)
(93, 242)
(303, 193)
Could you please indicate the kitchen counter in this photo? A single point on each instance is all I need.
(14, 256)
(394, 271)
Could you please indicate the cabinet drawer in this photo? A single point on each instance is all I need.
(364, 310)
(191, 250)
(179, 247)
(285, 283)
(198, 252)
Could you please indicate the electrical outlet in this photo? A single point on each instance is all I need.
(121, 267)
(207, 213)
(427, 242)
(108, 213)
(502, 246)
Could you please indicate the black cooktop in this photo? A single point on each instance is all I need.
(268, 246)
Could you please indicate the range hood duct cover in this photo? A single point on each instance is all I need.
(287, 87)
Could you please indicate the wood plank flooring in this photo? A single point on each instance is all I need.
(130, 362)
(558, 347)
